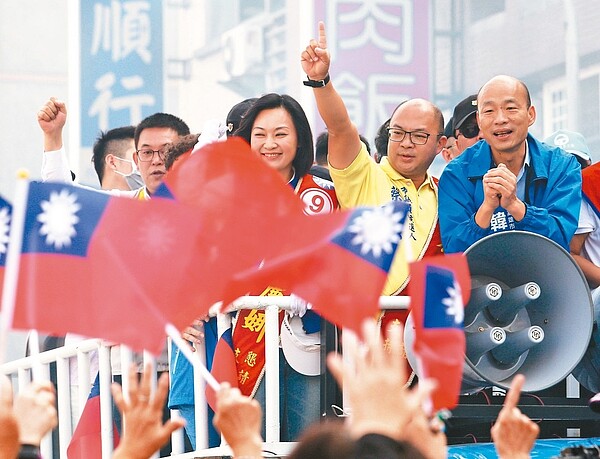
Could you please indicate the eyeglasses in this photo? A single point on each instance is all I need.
(147, 154)
(416, 137)
(469, 130)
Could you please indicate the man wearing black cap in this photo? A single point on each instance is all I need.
(450, 151)
(464, 123)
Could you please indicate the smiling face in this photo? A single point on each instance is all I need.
(153, 171)
(504, 116)
(410, 160)
(274, 138)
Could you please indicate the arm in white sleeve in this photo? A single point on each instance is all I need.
(55, 166)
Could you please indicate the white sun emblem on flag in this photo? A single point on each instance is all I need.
(377, 230)
(4, 228)
(156, 236)
(453, 303)
(58, 218)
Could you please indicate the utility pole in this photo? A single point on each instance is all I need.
(571, 66)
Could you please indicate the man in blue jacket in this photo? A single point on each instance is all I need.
(509, 180)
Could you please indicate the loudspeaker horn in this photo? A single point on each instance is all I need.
(530, 312)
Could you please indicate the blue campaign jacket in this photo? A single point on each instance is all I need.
(552, 195)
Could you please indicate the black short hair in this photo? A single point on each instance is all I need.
(321, 146)
(107, 143)
(161, 120)
(366, 142)
(382, 138)
(305, 153)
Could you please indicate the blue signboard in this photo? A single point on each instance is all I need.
(121, 64)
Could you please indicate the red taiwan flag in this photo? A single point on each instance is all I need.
(103, 266)
(224, 368)
(86, 442)
(439, 345)
(246, 208)
(343, 271)
(5, 219)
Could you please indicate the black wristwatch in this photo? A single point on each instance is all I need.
(29, 452)
(316, 83)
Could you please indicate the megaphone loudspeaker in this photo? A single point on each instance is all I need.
(530, 312)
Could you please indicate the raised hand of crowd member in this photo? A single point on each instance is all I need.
(9, 428)
(375, 383)
(427, 434)
(238, 418)
(35, 412)
(513, 433)
(52, 117)
(143, 430)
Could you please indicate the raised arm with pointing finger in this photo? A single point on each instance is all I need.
(416, 137)
(344, 140)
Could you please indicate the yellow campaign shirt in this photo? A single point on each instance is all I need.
(366, 183)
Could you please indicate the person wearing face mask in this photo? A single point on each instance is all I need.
(152, 137)
(113, 160)
(147, 149)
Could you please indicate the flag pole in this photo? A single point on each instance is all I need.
(194, 359)
(13, 257)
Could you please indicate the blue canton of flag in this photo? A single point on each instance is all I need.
(163, 191)
(5, 218)
(61, 218)
(95, 390)
(373, 234)
(443, 302)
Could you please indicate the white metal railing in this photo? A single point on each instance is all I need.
(21, 370)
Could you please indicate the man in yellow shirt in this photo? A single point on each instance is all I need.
(415, 138)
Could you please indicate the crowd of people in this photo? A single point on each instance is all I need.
(388, 418)
(498, 177)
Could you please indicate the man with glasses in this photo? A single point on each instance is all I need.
(152, 138)
(510, 180)
(415, 135)
(464, 123)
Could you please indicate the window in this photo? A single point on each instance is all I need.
(589, 107)
(251, 8)
(481, 9)
(559, 110)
